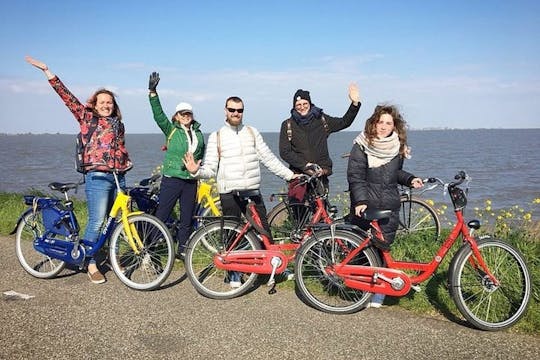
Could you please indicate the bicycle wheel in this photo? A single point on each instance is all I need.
(418, 218)
(484, 304)
(204, 244)
(288, 221)
(35, 263)
(315, 281)
(148, 269)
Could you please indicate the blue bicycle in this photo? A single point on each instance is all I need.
(141, 250)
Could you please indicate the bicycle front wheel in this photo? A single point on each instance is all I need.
(210, 239)
(486, 305)
(419, 219)
(288, 221)
(35, 263)
(149, 268)
(319, 287)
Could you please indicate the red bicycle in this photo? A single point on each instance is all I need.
(488, 278)
(224, 246)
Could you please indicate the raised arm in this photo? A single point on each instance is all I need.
(40, 65)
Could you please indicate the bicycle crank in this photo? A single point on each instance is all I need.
(375, 279)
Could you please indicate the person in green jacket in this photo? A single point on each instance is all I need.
(183, 135)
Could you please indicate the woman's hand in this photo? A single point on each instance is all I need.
(417, 183)
(153, 82)
(189, 162)
(359, 210)
(40, 65)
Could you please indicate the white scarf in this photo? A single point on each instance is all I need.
(382, 150)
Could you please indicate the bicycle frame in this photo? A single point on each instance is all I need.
(74, 250)
(395, 281)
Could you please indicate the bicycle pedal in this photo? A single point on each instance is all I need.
(416, 288)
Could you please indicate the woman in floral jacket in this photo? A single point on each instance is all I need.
(104, 154)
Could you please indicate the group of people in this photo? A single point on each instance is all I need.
(233, 156)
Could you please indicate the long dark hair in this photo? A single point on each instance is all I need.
(400, 125)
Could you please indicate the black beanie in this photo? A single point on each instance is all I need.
(301, 95)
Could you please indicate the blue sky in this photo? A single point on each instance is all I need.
(456, 64)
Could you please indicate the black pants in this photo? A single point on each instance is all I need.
(184, 191)
(232, 205)
(388, 226)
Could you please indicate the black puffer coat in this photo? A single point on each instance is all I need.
(375, 187)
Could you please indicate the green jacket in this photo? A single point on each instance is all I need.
(177, 143)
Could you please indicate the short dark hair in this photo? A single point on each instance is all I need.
(235, 99)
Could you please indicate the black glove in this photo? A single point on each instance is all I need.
(153, 81)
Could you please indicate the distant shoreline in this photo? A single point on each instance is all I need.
(275, 132)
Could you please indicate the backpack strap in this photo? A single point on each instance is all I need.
(218, 144)
(289, 128)
(325, 124)
(170, 136)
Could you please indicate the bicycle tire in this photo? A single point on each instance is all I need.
(33, 262)
(319, 288)
(418, 218)
(288, 221)
(206, 278)
(151, 267)
(483, 304)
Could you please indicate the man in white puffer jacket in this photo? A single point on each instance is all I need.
(232, 156)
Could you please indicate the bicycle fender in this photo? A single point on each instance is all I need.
(29, 210)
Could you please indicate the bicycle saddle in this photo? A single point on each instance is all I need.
(375, 214)
(63, 187)
(246, 194)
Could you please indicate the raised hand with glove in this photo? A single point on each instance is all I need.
(153, 82)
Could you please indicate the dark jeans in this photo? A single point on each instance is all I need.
(184, 191)
(232, 205)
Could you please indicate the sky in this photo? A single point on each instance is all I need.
(445, 64)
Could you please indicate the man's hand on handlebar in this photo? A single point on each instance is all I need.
(313, 169)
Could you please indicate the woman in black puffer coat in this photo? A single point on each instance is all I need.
(375, 170)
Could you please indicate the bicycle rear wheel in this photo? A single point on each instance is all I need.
(288, 221)
(315, 281)
(485, 305)
(418, 218)
(204, 244)
(35, 263)
(148, 269)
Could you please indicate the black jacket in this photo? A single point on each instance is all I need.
(375, 187)
(309, 142)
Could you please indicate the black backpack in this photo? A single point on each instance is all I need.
(80, 146)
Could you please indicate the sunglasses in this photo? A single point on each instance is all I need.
(231, 110)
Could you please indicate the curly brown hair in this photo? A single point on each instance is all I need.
(92, 100)
(400, 125)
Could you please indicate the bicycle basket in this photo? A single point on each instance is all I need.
(144, 200)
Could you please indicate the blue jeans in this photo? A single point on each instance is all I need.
(100, 191)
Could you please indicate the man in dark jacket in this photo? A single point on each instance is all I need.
(303, 137)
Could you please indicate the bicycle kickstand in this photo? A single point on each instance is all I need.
(275, 262)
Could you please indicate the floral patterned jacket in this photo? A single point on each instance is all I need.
(106, 149)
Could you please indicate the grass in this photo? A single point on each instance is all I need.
(516, 226)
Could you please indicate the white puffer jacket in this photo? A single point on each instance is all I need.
(241, 150)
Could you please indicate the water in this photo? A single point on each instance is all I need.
(503, 163)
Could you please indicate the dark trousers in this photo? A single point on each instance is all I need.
(232, 205)
(388, 226)
(184, 191)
